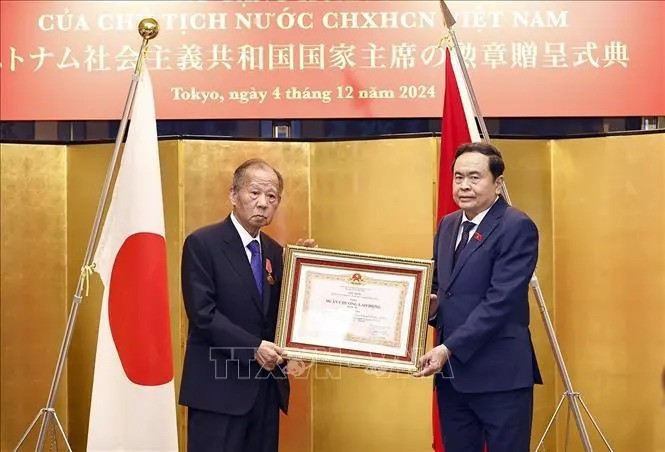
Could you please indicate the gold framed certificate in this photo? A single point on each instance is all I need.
(353, 309)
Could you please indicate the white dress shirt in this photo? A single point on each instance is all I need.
(476, 221)
(245, 236)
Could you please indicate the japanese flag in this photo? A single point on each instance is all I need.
(133, 404)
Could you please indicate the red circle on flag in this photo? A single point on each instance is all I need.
(139, 310)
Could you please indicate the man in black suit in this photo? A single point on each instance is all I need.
(232, 381)
(485, 254)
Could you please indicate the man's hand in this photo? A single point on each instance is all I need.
(268, 355)
(432, 361)
(310, 243)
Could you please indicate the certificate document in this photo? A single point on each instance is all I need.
(354, 309)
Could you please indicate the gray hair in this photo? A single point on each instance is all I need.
(240, 172)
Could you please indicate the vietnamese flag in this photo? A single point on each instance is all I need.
(133, 403)
(458, 126)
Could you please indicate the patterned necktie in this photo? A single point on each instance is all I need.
(255, 263)
(466, 228)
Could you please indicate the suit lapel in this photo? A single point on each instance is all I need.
(267, 287)
(450, 237)
(237, 257)
(485, 229)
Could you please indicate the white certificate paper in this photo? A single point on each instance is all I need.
(353, 310)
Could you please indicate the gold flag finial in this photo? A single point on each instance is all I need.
(148, 28)
(448, 18)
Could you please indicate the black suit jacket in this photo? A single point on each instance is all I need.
(227, 320)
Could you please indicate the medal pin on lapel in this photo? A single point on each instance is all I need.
(270, 278)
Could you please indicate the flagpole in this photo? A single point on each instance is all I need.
(449, 22)
(574, 398)
(148, 29)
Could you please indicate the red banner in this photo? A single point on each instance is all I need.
(331, 59)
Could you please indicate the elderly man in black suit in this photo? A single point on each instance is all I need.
(232, 380)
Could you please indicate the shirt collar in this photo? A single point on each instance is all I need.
(245, 237)
(478, 218)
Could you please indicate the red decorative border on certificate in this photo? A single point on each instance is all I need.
(300, 262)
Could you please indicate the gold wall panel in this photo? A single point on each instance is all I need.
(208, 171)
(87, 166)
(32, 295)
(373, 197)
(528, 178)
(609, 257)
(598, 204)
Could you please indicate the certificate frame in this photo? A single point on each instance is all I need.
(397, 288)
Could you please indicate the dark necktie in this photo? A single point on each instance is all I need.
(255, 263)
(466, 228)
